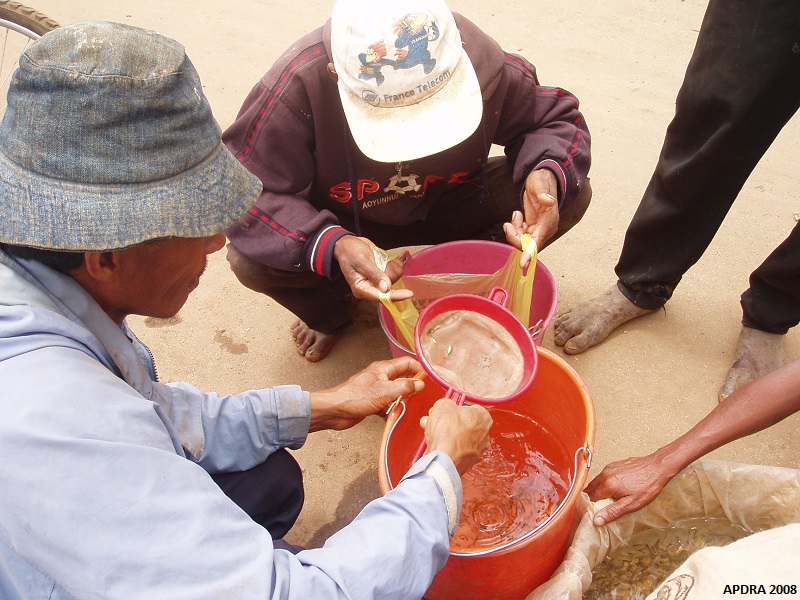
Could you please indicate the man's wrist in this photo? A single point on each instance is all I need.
(439, 466)
(451, 500)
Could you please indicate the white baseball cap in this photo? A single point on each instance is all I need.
(407, 86)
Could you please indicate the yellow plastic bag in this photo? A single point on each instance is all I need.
(519, 283)
(404, 314)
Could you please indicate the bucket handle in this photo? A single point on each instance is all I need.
(499, 296)
(406, 257)
(536, 328)
(399, 402)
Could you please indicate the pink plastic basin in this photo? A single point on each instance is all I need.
(475, 257)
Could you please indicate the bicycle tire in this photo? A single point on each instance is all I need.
(26, 17)
(20, 26)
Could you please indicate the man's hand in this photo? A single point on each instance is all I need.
(540, 219)
(356, 258)
(515, 230)
(365, 393)
(461, 432)
(633, 483)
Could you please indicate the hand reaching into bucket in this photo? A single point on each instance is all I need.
(461, 432)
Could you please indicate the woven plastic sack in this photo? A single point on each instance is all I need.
(764, 563)
(754, 497)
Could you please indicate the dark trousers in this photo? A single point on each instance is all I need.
(271, 493)
(323, 304)
(741, 87)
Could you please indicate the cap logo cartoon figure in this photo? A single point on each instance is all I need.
(403, 77)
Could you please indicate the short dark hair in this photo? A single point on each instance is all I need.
(61, 260)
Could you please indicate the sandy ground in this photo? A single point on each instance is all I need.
(650, 381)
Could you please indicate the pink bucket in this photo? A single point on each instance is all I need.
(477, 257)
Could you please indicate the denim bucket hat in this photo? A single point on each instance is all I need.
(108, 141)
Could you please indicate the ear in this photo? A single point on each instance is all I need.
(102, 266)
(102, 275)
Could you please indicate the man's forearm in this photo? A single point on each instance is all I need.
(748, 410)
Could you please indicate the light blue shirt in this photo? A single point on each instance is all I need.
(106, 490)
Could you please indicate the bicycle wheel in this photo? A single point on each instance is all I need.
(20, 26)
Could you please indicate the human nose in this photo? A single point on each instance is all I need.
(215, 242)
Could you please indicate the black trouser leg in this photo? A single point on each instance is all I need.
(741, 87)
(271, 493)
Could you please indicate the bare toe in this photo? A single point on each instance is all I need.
(590, 322)
(298, 328)
(322, 345)
(302, 336)
(580, 343)
(757, 353)
(311, 343)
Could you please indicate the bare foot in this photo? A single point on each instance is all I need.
(311, 343)
(590, 322)
(757, 353)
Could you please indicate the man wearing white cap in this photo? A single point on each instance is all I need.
(376, 129)
(117, 485)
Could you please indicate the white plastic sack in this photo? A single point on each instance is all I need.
(764, 563)
(753, 497)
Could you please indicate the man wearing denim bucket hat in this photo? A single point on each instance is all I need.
(393, 150)
(114, 188)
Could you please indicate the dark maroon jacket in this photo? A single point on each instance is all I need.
(291, 132)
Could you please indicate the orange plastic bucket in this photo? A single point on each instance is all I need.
(477, 257)
(560, 403)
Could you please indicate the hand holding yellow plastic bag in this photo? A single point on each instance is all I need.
(403, 312)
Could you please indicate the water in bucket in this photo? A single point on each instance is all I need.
(515, 487)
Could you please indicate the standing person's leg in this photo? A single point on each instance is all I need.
(732, 104)
(770, 307)
(741, 87)
(772, 303)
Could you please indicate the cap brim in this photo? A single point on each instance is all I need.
(44, 212)
(442, 120)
